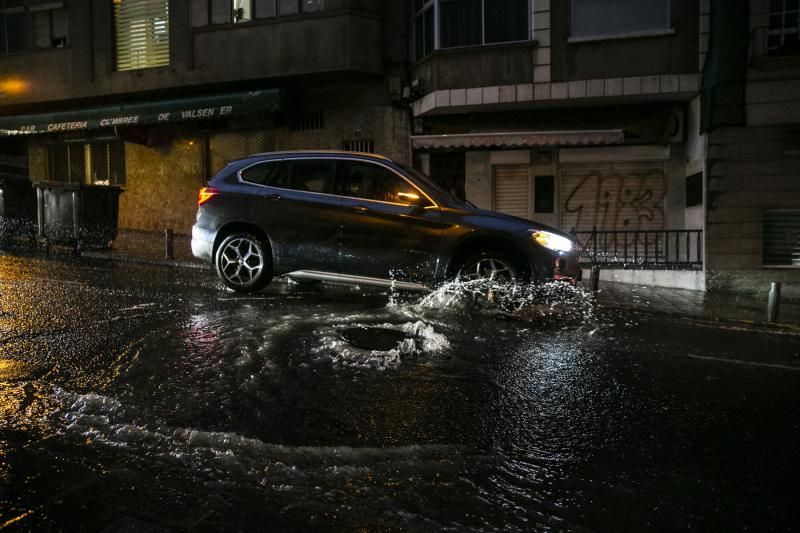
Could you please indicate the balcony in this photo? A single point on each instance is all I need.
(330, 42)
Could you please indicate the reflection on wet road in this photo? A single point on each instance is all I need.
(138, 397)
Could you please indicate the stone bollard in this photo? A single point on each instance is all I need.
(594, 278)
(169, 244)
(774, 301)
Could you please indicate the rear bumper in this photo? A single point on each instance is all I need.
(202, 243)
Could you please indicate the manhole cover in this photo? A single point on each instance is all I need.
(373, 338)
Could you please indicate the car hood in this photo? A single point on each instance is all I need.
(520, 224)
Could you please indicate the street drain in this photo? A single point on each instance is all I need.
(373, 338)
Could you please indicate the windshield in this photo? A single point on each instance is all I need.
(440, 191)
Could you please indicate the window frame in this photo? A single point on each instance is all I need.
(50, 11)
(668, 28)
(255, 15)
(338, 161)
(782, 32)
(4, 12)
(435, 5)
(84, 148)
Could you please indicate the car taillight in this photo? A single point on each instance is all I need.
(206, 194)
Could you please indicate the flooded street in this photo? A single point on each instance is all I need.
(143, 397)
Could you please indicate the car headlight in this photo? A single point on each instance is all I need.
(553, 241)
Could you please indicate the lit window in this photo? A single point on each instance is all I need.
(142, 31)
(784, 27)
(596, 18)
(12, 24)
(50, 28)
(100, 162)
(205, 12)
(451, 23)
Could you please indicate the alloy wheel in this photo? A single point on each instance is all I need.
(241, 261)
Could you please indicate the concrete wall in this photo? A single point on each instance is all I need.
(344, 40)
(623, 57)
(747, 173)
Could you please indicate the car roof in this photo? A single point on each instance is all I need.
(300, 153)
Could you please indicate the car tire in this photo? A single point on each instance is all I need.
(492, 266)
(243, 262)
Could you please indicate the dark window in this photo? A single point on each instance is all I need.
(472, 22)
(313, 175)
(206, 12)
(12, 24)
(781, 237)
(694, 190)
(424, 38)
(462, 22)
(448, 171)
(608, 17)
(373, 182)
(275, 174)
(506, 20)
(784, 27)
(544, 194)
(50, 28)
(93, 163)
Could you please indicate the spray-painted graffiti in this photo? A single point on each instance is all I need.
(614, 200)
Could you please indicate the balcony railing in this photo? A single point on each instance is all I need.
(642, 248)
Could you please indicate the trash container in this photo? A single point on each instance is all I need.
(17, 209)
(77, 215)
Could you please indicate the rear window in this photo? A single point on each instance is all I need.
(312, 175)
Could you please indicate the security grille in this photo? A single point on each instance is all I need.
(142, 33)
(227, 146)
(308, 122)
(366, 146)
(781, 237)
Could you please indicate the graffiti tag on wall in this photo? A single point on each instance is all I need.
(614, 200)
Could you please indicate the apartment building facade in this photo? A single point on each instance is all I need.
(751, 101)
(156, 95)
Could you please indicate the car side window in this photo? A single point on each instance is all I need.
(273, 173)
(373, 182)
(314, 175)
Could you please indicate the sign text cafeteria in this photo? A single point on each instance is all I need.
(130, 120)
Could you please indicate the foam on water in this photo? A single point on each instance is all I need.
(421, 338)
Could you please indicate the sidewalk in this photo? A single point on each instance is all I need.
(741, 308)
(149, 247)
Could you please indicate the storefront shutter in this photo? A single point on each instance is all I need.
(612, 196)
(512, 190)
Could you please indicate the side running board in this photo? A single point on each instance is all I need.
(315, 275)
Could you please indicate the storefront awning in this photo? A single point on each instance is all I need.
(522, 139)
(156, 112)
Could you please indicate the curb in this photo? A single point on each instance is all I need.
(781, 328)
(144, 261)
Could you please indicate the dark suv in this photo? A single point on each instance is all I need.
(361, 218)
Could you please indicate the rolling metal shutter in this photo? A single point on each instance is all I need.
(612, 196)
(230, 145)
(511, 190)
(142, 33)
(782, 237)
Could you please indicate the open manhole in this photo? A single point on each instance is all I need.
(373, 338)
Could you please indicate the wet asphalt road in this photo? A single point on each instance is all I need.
(139, 398)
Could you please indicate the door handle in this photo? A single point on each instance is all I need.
(273, 196)
(361, 209)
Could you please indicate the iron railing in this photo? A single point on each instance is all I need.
(643, 248)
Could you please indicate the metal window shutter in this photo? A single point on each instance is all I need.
(511, 190)
(781, 237)
(142, 33)
(612, 196)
